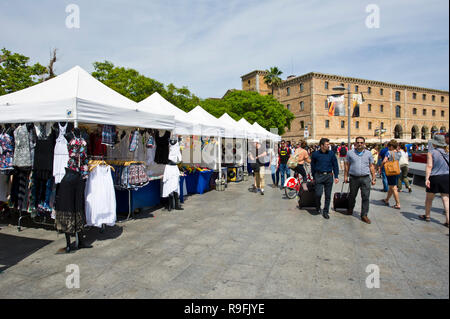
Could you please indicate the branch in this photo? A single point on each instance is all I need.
(53, 59)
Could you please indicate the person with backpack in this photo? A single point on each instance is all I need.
(342, 151)
(437, 176)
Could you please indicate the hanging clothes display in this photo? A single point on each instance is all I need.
(171, 179)
(61, 155)
(96, 146)
(134, 141)
(4, 187)
(100, 198)
(69, 203)
(22, 150)
(108, 135)
(162, 148)
(21, 189)
(43, 164)
(78, 160)
(6, 151)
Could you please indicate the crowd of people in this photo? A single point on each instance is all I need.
(361, 165)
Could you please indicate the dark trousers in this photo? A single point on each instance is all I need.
(323, 182)
(363, 183)
(300, 169)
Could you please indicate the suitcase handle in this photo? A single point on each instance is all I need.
(342, 188)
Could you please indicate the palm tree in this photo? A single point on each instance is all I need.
(272, 78)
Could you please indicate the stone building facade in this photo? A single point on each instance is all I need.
(405, 112)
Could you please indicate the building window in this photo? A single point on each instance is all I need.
(381, 91)
(424, 112)
(288, 91)
(414, 111)
(381, 108)
(289, 107)
(326, 105)
(342, 84)
(248, 82)
(356, 88)
(369, 107)
(382, 125)
(369, 90)
(398, 110)
(433, 98)
(433, 112)
(370, 125)
(342, 124)
(326, 85)
(301, 87)
(442, 113)
(327, 123)
(414, 96)
(397, 95)
(357, 124)
(424, 97)
(442, 99)
(302, 106)
(302, 124)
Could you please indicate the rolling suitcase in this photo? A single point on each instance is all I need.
(307, 198)
(341, 200)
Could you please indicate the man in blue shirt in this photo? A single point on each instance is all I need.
(381, 157)
(323, 166)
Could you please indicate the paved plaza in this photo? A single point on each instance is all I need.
(237, 244)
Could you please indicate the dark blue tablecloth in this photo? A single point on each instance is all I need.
(147, 196)
(198, 182)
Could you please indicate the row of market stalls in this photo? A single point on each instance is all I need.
(133, 131)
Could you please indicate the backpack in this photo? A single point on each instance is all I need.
(342, 151)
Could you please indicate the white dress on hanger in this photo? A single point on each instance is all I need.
(61, 156)
(100, 198)
(171, 178)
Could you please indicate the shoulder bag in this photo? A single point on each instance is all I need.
(392, 167)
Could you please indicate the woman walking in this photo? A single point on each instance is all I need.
(404, 163)
(437, 176)
(273, 154)
(392, 155)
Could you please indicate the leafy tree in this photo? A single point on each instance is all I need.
(127, 82)
(252, 106)
(138, 87)
(16, 74)
(272, 78)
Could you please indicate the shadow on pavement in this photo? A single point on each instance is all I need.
(415, 216)
(433, 209)
(14, 248)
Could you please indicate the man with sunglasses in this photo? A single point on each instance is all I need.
(360, 167)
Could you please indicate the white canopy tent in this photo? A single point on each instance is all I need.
(76, 96)
(231, 124)
(206, 119)
(185, 123)
(268, 134)
(250, 130)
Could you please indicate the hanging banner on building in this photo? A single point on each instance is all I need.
(356, 102)
(336, 105)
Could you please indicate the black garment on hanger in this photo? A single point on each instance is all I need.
(162, 148)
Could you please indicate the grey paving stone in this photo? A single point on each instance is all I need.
(243, 246)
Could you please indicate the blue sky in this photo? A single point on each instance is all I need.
(207, 45)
